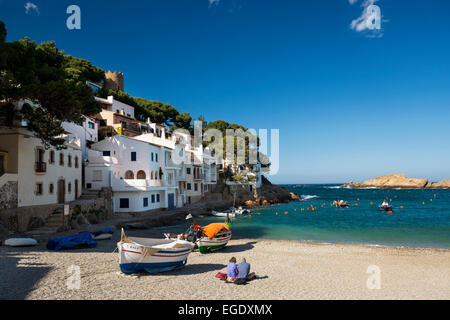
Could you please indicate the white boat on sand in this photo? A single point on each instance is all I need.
(152, 255)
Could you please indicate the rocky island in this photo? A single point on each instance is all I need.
(398, 181)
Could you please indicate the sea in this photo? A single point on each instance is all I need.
(420, 218)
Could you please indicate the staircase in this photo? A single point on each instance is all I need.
(53, 224)
(88, 195)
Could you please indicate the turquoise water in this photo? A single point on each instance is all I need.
(416, 225)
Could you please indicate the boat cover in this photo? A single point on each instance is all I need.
(72, 242)
(214, 228)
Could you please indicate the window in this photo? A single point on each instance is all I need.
(61, 159)
(124, 203)
(51, 158)
(88, 185)
(156, 157)
(145, 202)
(153, 198)
(39, 189)
(158, 198)
(129, 174)
(152, 156)
(107, 153)
(76, 162)
(51, 188)
(133, 156)
(195, 187)
(97, 175)
(188, 170)
(189, 186)
(69, 160)
(69, 187)
(40, 155)
(141, 175)
(40, 165)
(206, 188)
(91, 125)
(152, 175)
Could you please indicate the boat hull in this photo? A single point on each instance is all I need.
(208, 245)
(130, 268)
(134, 259)
(223, 214)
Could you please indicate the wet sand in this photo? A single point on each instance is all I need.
(286, 270)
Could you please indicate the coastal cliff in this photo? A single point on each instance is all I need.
(397, 181)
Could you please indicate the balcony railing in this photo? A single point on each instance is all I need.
(40, 167)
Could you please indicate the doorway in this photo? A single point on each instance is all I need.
(76, 189)
(61, 191)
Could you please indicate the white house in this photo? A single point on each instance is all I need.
(87, 132)
(136, 170)
(37, 175)
(209, 169)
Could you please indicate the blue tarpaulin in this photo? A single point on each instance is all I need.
(72, 242)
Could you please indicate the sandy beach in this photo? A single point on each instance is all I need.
(287, 270)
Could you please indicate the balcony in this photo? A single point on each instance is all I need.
(137, 184)
(169, 164)
(40, 167)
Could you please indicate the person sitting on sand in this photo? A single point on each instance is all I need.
(244, 271)
(232, 270)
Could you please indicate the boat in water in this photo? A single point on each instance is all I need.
(340, 204)
(214, 236)
(241, 210)
(152, 255)
(385, 206)
(223, 214)
(232, 213)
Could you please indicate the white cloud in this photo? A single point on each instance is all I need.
(30, 6)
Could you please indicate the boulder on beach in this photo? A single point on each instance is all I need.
(389, 181)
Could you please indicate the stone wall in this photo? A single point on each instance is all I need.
(19, 219)
(8, 195)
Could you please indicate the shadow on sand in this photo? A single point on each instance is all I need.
(17, 277)
(236, 248)
(188, 269)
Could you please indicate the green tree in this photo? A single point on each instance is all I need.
(45, 76)
(183, 121)
(2, 32)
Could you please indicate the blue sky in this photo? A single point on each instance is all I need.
(350, 105)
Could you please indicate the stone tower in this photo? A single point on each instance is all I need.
(114, 80)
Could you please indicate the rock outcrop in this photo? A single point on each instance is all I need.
(444, 184)
(389, 181)
(268, 194)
